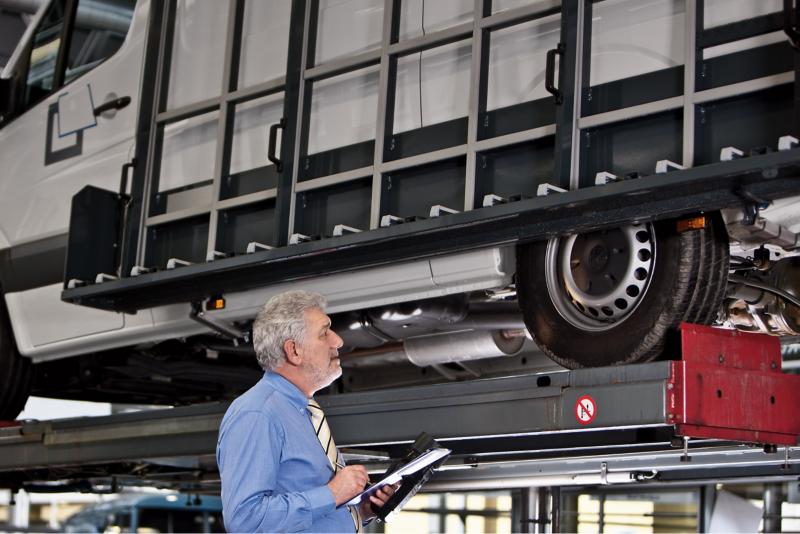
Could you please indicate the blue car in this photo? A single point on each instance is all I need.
(149, 513)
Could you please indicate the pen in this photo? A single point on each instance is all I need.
(341, 466)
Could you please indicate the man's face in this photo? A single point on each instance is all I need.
(320, 354)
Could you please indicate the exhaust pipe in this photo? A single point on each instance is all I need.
(441, 348)
(462, 346)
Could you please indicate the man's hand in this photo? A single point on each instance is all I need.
(380, 498)
(348, 483)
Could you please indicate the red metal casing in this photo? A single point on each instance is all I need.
(729, 385)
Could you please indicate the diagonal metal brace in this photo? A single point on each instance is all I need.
(218, 325)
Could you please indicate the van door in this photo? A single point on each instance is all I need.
(81, 56)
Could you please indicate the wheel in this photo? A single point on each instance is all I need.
(614, 297)
(16, 372)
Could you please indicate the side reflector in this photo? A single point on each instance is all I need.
(691, 224)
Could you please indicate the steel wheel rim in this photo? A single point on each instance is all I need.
(600, 258)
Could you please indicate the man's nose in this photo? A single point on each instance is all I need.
(336, 341)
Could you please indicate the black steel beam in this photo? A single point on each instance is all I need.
(701, 189)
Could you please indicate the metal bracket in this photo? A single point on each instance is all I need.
(749, 214)
(175, 262)
(137, 270)
(731, 153)
(605, 178)
(787, 142)
(751, 209)
(218, 325)
(493, 200)
(438, 211)
(254, 247)
(391, 220)
(342, 229)
(546, 189)
(73, 283)
(604, 473)
(664, 166)
(103, 277)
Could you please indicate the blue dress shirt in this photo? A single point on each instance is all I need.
(274, 471)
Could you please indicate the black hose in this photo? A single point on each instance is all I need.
(758, 285)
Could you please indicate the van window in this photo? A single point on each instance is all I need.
(100, 29)
(44, 54)
(98, 32)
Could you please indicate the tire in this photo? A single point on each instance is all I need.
(16, 371)
(686, 280)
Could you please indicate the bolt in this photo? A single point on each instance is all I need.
(721, 358)
(670, 385)
(774, 365)
(671, 416)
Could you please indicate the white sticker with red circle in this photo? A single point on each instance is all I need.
(585, 410)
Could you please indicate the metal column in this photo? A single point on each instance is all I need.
(705, 508)
(773, 499)
(555, 509)
(535, 510)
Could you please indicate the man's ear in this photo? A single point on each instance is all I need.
(292, 350)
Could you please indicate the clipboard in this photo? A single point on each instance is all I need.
(414, 466)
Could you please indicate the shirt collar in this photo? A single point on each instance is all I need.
(287, 389)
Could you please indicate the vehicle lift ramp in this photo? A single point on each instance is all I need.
(593, 426)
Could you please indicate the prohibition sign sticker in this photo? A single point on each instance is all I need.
(585, 410)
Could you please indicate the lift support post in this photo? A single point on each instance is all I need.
(729, 385)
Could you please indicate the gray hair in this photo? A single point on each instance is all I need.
(281, 319)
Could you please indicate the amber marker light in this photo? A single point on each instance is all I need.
(696, 223)
(215, 303)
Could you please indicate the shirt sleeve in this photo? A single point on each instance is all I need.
(248, 456)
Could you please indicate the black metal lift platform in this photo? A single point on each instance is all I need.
(720, 413)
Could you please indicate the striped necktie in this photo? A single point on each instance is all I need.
(326, 440)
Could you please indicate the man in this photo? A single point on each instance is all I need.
(277, 475)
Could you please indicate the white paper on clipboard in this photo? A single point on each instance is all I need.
(417, 464)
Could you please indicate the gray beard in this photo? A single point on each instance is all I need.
(322, 376)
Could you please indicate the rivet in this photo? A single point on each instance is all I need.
(721, 358)
(774, 365)
(671, 416)
(670, 385)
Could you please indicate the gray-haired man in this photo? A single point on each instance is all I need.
(280, 469)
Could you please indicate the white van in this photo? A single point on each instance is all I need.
(454, 175)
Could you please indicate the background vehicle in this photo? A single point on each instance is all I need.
(150, 513)
(446, 174)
